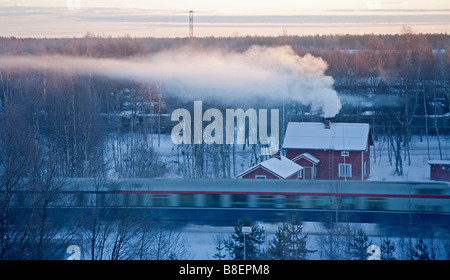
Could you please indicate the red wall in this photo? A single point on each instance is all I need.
(323, 172)
(304, 162)
(439, 174)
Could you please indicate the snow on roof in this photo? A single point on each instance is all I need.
(280, 166)
(307, 156)
(314, 135)
(442, 162)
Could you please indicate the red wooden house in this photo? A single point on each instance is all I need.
(439, 170)
(329, 151)
(278, 167)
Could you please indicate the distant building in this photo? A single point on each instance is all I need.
(439, 170)
(278, 167)
(329, 151)
(309, 164)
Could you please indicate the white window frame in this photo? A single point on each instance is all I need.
(260, 177)
(345, 170)
(345, 153)
(299, 174)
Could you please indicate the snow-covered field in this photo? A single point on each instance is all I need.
(419, 170)
(201, 241)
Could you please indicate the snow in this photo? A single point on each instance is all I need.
(381, 169)
(201, 240)
(442, 162)
(309, 157)
(314, 135)
(282, 166)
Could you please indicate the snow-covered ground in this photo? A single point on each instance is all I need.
(419, 170)
(201, 240)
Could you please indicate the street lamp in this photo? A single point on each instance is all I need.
(246, 231)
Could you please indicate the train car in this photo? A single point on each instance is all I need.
(267, 200)
(390, 196)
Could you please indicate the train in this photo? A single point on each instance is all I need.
(211, 200)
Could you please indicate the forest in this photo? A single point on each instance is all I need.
(84, 124)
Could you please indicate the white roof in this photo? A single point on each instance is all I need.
(308, 156)
(314, 135)
(281, 166)
(443, 162)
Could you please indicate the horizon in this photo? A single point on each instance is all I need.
(170, 19)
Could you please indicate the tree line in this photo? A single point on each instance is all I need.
(400, 84)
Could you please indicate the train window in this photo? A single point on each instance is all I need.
(139, 200)
(126, 199)
(102, 199)
(81, 199)
(347, 202)
(320, 202)
(375, 203)
(239, 200)
(160, 200)
(114, 200)
(436, 208)
(187, 200)
(212, 200)
(21, 199)
(428, 208)
(294, 201)
(265, 201)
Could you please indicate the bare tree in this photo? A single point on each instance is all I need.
(14, 164)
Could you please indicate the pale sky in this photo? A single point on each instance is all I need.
(169, 18)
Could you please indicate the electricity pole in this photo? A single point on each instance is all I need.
(191, 24)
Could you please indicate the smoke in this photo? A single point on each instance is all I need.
(267, 73)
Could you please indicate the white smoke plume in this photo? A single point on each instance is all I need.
(260, 72)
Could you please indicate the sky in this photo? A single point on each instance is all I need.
(169, 18)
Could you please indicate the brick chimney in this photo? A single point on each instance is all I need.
(327, 123)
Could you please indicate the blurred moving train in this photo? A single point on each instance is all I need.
(266, 200)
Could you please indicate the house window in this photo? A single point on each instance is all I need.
(299, 175)
(345, 153)
(345, 170)
(260, 177)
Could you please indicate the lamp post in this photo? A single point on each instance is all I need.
(246, 231)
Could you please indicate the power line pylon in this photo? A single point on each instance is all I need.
(191, 24)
